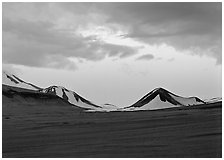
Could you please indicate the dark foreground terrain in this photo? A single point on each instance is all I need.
(52, 128)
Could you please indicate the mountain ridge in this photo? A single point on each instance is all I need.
(156, 99)
(165, 96)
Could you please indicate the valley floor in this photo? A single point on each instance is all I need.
(56, 131)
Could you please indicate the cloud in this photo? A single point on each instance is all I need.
(11, 69)
(185, 26)
(145, 57)
(47, 34)
(41, 44)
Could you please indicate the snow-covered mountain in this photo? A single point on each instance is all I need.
(12, 80)
(160, 98)
(72, 97)
(213, 100)
(68, 95)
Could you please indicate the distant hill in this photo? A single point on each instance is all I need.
(158, 98)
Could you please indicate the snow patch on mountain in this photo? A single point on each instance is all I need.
(59, 92)
(187, 101)
(155, 104)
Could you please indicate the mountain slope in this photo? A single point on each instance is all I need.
(70, 96)
(160, 98)
(20, 96)
(12, 80)
(213, 100)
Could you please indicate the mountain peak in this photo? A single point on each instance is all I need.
(161, 98)
(158, 98)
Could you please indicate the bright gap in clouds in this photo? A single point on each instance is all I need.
(107, 35)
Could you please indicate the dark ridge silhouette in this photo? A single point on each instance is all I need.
(13, 80)
(199, 100)
(18, 79)
(64, 95)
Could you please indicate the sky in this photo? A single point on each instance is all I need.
(116, 52)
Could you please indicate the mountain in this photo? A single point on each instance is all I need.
(24, 103)
(71, 96)
(68, 95)
(213, 100)
(12, 80)
(22, 95)
(160, 98)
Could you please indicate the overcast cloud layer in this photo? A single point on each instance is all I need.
(49, 34)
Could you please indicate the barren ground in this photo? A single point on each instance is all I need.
(58, 130)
